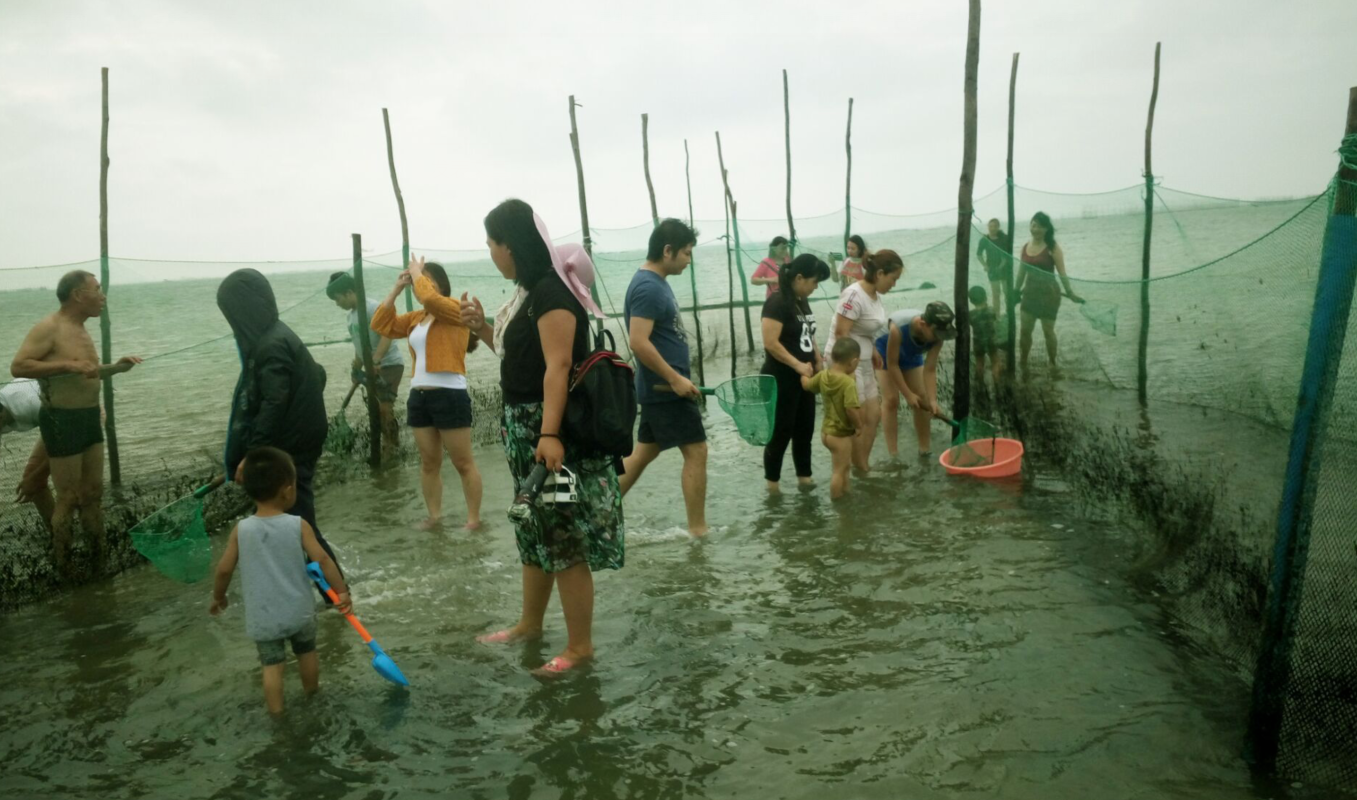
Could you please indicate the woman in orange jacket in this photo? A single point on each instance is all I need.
(439, 408)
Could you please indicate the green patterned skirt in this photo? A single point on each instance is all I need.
(591, 530)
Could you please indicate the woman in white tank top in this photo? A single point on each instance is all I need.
(438, 410)
(861, 315)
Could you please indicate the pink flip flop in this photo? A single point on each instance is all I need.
(498, 637)
(556, 666)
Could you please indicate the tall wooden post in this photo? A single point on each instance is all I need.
(365, 347)
(1142, 367)
(584, 208)
(1011, 300)
(105, 322)
(848, 185)
(1324, 351)
(400, 205)
(730, 282)
(645, 158)
(692, 273)
(735, 226)
(787, 124)
(961, 400)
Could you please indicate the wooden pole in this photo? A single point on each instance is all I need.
(961, 401)
(645, 157)
(735, 226)
(730, 274)
(400, 204)
(787, 124)
(848, 185)
(1142, 371)
(692, 271)
(584, 208)
(106, 322)
(1329, 321)
(1010, 300)
(365, 347)
(730, 277)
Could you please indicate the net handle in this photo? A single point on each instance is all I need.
(664, 387)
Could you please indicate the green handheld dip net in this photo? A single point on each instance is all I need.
(974, 430)
(174, 539)
(751, 401)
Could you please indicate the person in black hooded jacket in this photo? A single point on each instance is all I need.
(280, 398)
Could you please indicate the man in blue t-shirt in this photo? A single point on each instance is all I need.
(669, 415)
(386, 358)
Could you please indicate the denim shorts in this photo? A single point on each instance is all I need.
(671, 424)
(303, 641)
(444, 409)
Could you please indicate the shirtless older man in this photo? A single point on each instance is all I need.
(59, 352)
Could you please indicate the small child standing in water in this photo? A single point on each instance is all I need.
(984, 334)
(842, 417)
(272, 548)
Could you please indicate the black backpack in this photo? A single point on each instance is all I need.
(600, 409)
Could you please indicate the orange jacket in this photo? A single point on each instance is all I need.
(448, 337)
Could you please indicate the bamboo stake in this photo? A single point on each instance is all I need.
(692, 271)
(1143, 370)
(787, 122)
(1011, 301)
(961, 400)
(848, 185)
(365, 347)
(730, 274)
(645, 157)
(735, 226)
(105, 321)
(584, 208)
(400, 204)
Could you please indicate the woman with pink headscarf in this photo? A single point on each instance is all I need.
(540, 334)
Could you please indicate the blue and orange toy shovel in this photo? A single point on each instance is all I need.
(380, 660)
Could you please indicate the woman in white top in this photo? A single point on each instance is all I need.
(20, 402)
(861, 315)
(439, 408)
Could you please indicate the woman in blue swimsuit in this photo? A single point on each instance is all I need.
(909, 350)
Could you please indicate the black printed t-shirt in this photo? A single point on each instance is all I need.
(798, 330)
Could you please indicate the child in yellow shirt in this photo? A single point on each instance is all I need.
(842, 417)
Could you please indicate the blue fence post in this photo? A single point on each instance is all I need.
(1328, 329)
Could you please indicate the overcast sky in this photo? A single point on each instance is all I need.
(252, 130)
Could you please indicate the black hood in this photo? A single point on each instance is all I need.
(246, 300)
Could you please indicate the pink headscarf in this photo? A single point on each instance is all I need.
(572, 263)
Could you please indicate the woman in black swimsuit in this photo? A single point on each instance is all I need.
(1042, 262)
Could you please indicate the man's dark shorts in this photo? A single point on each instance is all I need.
(69, 431)
(671, 424)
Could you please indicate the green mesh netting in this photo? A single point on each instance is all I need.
(341, 437)
(973, 445)
(1102, 316)
(752, 402)
(174, 539)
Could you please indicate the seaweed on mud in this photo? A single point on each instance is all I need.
(1192, 551)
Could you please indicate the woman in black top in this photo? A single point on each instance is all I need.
(541, 333)
(789, 344)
